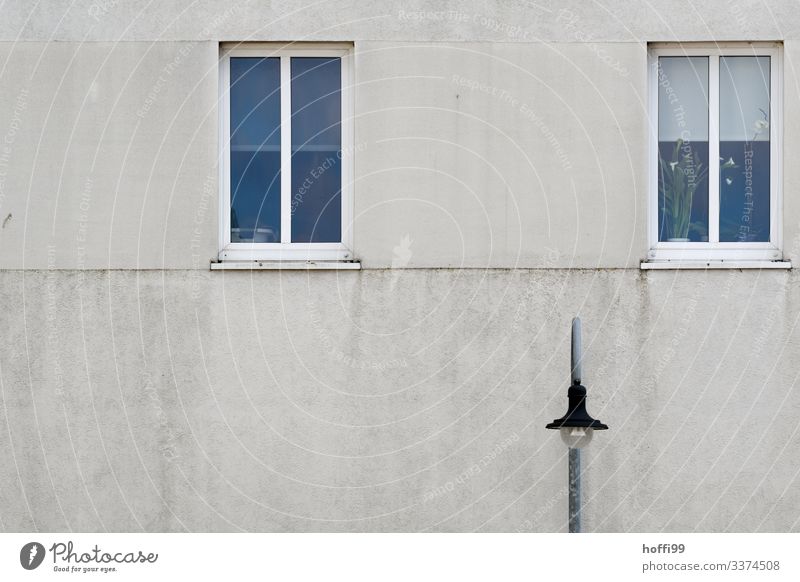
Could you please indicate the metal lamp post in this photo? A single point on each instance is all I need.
(576, 428)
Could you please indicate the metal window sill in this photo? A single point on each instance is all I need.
(286, 266)
(713, 264)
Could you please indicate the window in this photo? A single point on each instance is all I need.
(286, 148)
(715, 152)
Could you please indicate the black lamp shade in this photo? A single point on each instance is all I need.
(576, 415)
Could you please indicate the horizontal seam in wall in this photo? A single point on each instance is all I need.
(636, 269)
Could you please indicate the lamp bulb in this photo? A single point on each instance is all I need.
(576, 437)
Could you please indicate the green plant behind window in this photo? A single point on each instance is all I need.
(680, 178)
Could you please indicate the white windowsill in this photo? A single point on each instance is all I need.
(715, 264)
(286, 266)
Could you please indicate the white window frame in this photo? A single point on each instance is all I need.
(713, 250)
(286, 250)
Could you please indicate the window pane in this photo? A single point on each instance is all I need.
(744, 149)
(316, 149)
(255, 149)
(683, 149)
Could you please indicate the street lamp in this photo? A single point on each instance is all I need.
(576, 428)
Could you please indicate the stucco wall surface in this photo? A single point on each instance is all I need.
(417, 20)
(478, 154)
(395, 400)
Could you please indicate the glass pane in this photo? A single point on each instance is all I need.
(744, 149)
(316, 149)
(255, 149)
(683, 149)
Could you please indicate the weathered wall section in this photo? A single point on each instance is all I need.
(389, 400)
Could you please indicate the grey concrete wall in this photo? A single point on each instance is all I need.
(112, 154)
(395, 400)
(500, 189)
(417, 20)
(483, 155)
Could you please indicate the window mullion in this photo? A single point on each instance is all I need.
(713, 148)
(286, 150)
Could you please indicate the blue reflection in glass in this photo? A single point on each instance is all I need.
(744, 149)
(316, 149)
(255, 149)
